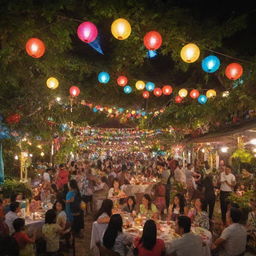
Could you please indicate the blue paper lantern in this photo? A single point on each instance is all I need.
(210, 64)
(127, 89)
(143, 113)
(95, 110)
(151, 54)
(202, 99)
(103, 77)
(150, 86)
(121, 110)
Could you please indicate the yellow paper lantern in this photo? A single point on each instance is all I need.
(133, 112)
(121, 29)
(183, 93)
(110, 110)
(140, 85)
(211, 93)
(52, 83)
(190, 53)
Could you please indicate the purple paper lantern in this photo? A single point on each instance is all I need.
(87, 32)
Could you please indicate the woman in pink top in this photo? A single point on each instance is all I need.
(148, 244)
(62, 177)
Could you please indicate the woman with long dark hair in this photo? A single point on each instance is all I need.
(105, 212)
(130, 205)
(177, 208)
(73, 210)
(147, 207)
(148, 244)
(114, 238)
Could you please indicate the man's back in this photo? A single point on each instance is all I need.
(188, 245)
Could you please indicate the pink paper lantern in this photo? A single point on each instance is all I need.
(87, 32)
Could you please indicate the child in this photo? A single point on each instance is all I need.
(24, 242)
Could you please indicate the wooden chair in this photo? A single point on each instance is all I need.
(106, 252)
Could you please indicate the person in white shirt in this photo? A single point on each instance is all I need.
(228, 181)
(11, 216)
(179, 175)
(189, 244)
(46, 176)
(233, 238)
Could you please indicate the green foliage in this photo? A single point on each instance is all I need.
(243, 155)
(243, 201)
(12, 186)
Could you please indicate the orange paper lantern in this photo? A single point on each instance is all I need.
(153, 40)
(167, 90)
(145, 94)
(35, 47)
(234, 71)
(158, 92)
(194, 94)
(122, 80)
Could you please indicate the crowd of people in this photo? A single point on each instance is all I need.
(183, 193)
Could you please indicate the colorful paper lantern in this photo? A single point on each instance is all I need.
(127, 89)
(145, 94)
(211, 93)
(190, 53)
(87, 32)
(140, 85)
(121, 29)
(52, 83)
(74, 91)
(234, 71)
(202, 99)
(158, 92)
(194, 94)
(103, 77)
(183, 93)
(150, 86)
(167, 90)
(178, 99)
(122, 80)
(153, 40)
(210, 64)
(35, 48)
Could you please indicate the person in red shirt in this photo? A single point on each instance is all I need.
(62, 177)
(22, 239)
(148, 244)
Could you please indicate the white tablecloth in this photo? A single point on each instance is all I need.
(34, 226)
(131, 190)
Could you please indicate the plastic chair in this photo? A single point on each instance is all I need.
(106, 252)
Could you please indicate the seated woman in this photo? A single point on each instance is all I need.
(114, 238)
(148, 208)
(115, 191)
(59, 207)
(177, 208)
(105, 212)
(198, 217)
(23, 240)
(130, 205)
(148, 244)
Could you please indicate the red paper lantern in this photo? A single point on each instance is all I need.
(35, 47)
(158, 92)
(153, 40)
(194, 94)
(74, 91)
(167, 90)
(178, 99)
(145, 94)
(122, 80)
(13, 119)
(234, 71)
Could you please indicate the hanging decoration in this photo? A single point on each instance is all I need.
(152, 54)
(52, 83)
(178, 99)
(96, 45)
(103, 77)
(121, 29)
(140, 85)
(234, 71)
(145, 94)
(202, 99)
(150, 86)
(35, 48)
(190, 53)
(167, 90)
(211, 93)
(153, 40)
(194, 94)
(87, 32)
(158, 92)
(122, 80)
(183, 93)
(127, 89)
(210, 64)
(74, 91)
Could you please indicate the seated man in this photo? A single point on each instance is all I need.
(233, 238)
(189, 244)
